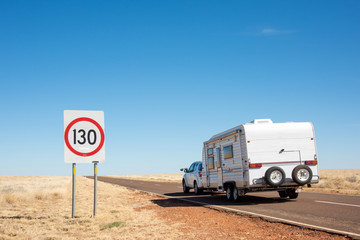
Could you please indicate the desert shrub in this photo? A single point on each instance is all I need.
(111, 225)
(351, 179)
(336, 183)
(12, 198)
(40, 196)
(57, 195)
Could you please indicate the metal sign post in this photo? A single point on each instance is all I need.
(84, 142)
(95, 185)
(73, 190)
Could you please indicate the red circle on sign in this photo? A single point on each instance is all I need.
(87, 120)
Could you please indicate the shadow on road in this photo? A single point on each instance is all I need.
(191, 194)
(178, 198)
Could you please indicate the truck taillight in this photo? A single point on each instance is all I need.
(255, 165)
(200, 175)
(314, 162)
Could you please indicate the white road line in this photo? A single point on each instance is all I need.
(344, 204)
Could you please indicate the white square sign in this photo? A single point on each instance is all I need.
(84, 136)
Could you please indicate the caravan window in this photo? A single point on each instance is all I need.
(218, 157)
(228, 152)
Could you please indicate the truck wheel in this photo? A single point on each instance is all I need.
(275, 176)
(302, 175)
(185, 188)
(229, 192)
(196, 189)
(283, 194)
(292, 193)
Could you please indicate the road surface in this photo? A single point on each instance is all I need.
(330, 212)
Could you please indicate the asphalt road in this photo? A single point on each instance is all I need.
(331, 212)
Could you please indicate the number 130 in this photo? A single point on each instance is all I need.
(85, 137)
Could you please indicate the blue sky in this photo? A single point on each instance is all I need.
(170, 74)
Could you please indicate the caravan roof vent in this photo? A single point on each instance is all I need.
(258, 121)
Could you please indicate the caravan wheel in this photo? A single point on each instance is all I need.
(292, 193)
(229, 192)
(236, 194)
(283, 194)
(302, 175)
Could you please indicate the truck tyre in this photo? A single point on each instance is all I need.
(302, 175)
(185, 188)
(275, 176)
(292, 193)
(229, 192)
(283, 194)
(197, 191)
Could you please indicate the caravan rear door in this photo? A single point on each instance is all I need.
(219, 167)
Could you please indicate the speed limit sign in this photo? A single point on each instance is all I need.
(84, 136)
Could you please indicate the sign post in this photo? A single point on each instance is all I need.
(73, 189)
(84, 138)
(95, 186)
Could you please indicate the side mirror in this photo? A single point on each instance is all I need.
(185, 170)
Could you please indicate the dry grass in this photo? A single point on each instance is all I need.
(18, 189)
(343, 181)
(40, 208)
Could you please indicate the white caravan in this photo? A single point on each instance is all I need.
(261, 156)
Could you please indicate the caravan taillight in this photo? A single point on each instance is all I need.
(200, 175)
(255, 165)
(314, 162)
